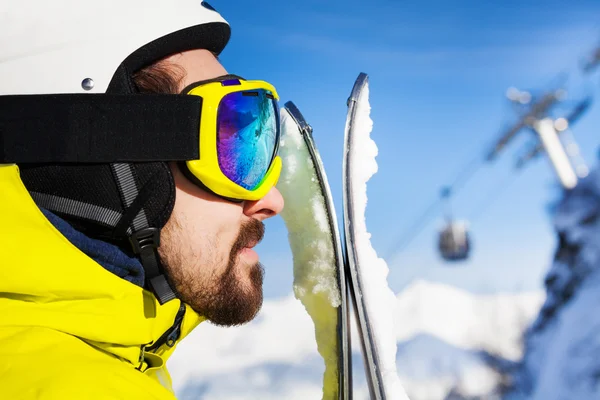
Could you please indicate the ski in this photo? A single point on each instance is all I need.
(373, 300)
(314, 236)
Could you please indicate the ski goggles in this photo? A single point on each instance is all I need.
(224, 133)
(239, 138)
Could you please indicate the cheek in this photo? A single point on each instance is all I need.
(207, 221)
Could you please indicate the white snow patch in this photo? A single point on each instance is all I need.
(561, 359)
(311, 241)
(282, 333)
(493, 322)
(379, 298)
(570, 367)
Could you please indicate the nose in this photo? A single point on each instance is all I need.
(267, 207)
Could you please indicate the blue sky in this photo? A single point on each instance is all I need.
(438, 74)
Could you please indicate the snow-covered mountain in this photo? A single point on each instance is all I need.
(448, 338)
(562, 359)
(441, 331)
(466, 320)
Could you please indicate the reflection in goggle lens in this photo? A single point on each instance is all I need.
(247, 134)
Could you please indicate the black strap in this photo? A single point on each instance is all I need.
(99, 128)
(145, 243)
(144, 239)
(80, 209)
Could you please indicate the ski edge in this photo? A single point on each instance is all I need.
(370, 352)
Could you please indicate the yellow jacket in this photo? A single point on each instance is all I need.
(69, 329)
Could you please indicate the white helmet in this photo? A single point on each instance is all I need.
(77, 46)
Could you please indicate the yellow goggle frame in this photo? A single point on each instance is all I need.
(207, 168)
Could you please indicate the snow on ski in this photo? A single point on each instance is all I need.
(319, 279)
(373, 299)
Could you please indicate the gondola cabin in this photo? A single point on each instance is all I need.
(454, 242)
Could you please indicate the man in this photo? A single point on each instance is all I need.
(135, 176)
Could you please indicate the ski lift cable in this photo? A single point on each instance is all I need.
(458, 183)
(464, 175)
(414, 230)
(494, 195)
(462, 178)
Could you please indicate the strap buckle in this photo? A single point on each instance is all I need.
(147, 237)
(145, 242)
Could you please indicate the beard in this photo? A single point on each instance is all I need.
(225, 299)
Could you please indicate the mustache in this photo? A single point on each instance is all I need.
(251, 233)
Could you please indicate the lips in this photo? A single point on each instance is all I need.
(251, 233)
(253, 237)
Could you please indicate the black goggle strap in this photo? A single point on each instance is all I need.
(144, 239)
(99, 128)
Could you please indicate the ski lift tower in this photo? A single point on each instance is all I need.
(562, 125)
(536, 115)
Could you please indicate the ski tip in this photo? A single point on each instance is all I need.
(359, 83)
(297, 116)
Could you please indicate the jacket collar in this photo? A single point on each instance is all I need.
(49, 282)
(108, 255)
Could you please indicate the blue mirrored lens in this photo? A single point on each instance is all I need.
(247, 135)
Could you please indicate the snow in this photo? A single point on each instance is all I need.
(562, 345)
(571, 363)
(492, 322)
(275, 356)
(311, 241)
(282, 333)
(373, 271)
